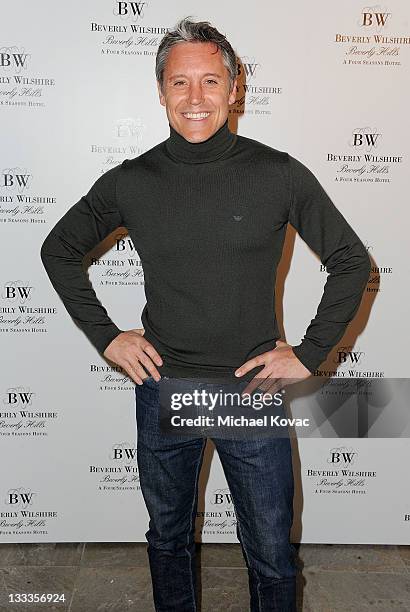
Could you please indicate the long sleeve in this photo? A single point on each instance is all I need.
(81, 228)
(324, 229)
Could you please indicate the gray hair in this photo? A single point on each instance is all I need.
(187, 30)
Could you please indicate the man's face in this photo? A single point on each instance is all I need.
(196, 81)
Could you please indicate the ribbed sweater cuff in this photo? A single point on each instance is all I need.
(101, 336)
(309, 355)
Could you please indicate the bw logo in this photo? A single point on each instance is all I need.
(341, 455)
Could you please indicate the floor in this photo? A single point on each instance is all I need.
(111, 577)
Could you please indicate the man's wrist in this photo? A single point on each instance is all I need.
(107, 337)
(305, 356)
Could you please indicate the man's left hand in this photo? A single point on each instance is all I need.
(282, 368)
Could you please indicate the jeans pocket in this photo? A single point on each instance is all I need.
(151, 379)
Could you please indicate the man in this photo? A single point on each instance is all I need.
(207, 211)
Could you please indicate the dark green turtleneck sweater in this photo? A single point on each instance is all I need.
(208, 221)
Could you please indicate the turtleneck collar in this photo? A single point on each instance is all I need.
(198, 152)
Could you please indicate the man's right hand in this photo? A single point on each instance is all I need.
(129, 350)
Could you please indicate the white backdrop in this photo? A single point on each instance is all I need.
(327, 83)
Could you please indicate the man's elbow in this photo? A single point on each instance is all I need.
(365, 266)
(47, 249)
(44, 253)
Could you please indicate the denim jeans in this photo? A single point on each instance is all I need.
(260, 479)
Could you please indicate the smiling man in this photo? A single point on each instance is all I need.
(199, 70)
(207, 211)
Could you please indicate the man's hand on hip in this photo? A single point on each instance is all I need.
(130, 351)
(282, 368)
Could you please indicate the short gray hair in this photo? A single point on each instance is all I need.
(187, 30)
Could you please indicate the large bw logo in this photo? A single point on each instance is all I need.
(342, 456)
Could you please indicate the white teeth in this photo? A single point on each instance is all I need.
(195, 115)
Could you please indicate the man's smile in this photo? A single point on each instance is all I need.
(196, 116)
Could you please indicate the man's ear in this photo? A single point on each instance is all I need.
(161, 97)
(232, 95)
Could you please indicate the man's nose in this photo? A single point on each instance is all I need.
(196, 94)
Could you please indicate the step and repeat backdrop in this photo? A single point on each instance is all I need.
(327, 82)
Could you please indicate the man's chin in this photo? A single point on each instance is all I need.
(196, 133)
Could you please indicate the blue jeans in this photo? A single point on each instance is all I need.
(260, 479)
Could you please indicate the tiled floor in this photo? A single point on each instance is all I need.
(115, 577)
